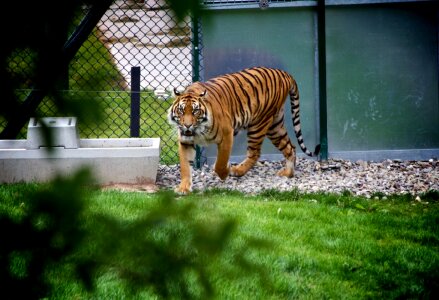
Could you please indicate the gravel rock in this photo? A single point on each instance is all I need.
(336, 176)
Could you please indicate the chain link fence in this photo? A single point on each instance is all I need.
(132, 33)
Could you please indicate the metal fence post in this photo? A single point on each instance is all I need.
(196, 71)
(321, 24)
(135, 102)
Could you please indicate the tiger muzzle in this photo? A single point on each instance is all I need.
(187, 130)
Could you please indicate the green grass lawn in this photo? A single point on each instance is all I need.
(271, 246)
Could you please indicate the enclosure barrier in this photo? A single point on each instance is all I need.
(143, 35)
(119, 160)
(369, 112)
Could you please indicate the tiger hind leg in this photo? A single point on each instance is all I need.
(241, 169)
(255, 137)
(279, 137)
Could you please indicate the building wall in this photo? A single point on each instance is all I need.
(382, 77)
(382, 72)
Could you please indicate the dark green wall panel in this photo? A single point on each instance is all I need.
(381, 65)
(382, 76)
(281, 38)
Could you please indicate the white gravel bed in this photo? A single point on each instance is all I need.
(335, 176)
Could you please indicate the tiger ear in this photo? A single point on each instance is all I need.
(203, 93)
(177, 93)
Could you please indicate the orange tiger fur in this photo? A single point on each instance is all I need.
(214, 111)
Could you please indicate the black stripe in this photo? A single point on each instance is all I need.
(286, 144)
(252, 76)
(274, 125)
(224, 83)
(237, 83)
(245, 93)
(246, 79)
(263, 80)
(253, 148)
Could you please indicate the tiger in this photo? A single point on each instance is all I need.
(213, 112)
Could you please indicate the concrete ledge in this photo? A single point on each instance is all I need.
(132, 160)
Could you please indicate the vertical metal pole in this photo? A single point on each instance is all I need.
(135, 102)
(63, 83)
(321, 28)
(196, 71)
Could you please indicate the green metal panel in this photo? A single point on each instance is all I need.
(382, 77)
(282, 38)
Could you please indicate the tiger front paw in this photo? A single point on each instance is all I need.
(183, 189)
(222, 172)
(286, 172)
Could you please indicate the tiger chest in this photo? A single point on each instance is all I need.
(203, 140)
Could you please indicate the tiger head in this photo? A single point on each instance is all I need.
(189, 113)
